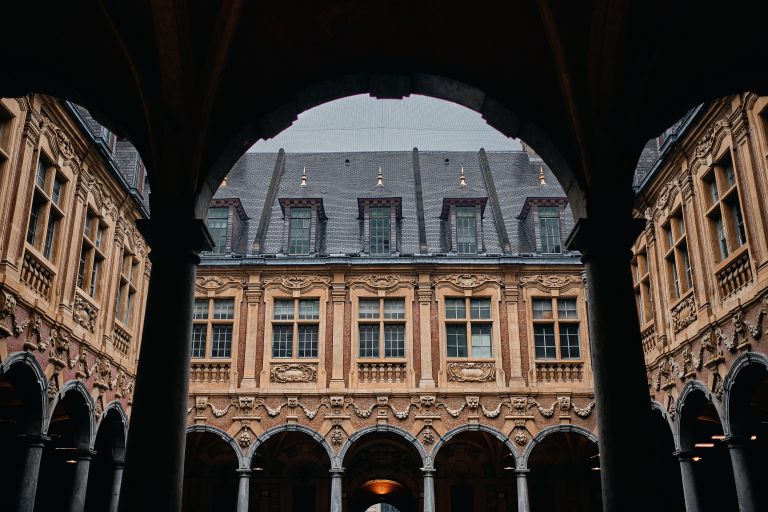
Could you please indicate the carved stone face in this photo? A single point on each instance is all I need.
(382, 400)
(565, 403)
(200, 402)
(473, 401)
(246, 402)
(518, 404)
(337, 401)
(293, 401)
(427, 401)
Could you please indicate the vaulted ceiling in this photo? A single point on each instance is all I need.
(194, 83)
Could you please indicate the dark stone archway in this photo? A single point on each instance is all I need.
(107, 461)
(210, 473)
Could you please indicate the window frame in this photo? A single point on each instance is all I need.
(541, 221)
(216, 231)
(381, 322)
(92, 254)
(720, 198)
(210, 322)
(641, 280)
(127, 288)
(676, 253)
(292, 228)
(557, 322)
(469, 323)
(49, 214)
(296, 322)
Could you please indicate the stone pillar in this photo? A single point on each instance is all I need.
(522, 490)
(429, 490)
(336, 476)
(689, 481)
(80, 482)
(117, 480)
(243, 490)
(745, 491)
(154, 459)
(621, 383)
(339, 298)
(30, 473)
(424, 293)
(253, 301)
(511, 297)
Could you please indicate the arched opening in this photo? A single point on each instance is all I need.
(70, 434)
(564, 474)
(748, 419)
(702, 437)
(210, 476)
(290, 472)
(109, 456)
(668, 468)
(21, 415)
(475, 471)
(382, 468)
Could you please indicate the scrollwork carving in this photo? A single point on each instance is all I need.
(684, 314)
(471, 371)
(382, 282)
(84, 313)
(293, 372)
(467, 281)
(299, 282)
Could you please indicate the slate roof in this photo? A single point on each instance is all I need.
(340, 179)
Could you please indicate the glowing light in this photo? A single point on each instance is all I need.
(381, 486)
(718, 438)
(753, 438)
(704, 445)
(71, 461)
(595, 468)
(695, 459)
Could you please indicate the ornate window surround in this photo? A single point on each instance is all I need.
(476, 288)
(402, 289)
(275, 291)
(572, 290)
(316, 219)
(448, 214)
(364, 204)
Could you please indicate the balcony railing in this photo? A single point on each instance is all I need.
(210, 372)
(734, 276)
(559, 371)
(648, 337)
(36, 275)
(381, 373)
(121, 340)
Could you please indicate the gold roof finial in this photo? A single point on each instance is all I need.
(462, 179)
(224, 182)
(304, 177)
(542, 180)
(380, 179)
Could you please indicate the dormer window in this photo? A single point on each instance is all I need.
(466, 235)
(217, 225)
(299, 230)
(303, 220)
(549, 225)
(463, 225)
(379, 224)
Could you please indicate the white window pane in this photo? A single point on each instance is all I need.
(282, 341)
(199, 332)
(566, 308)
(394, 308)
(456, 338)
(481, 340)
(283, 310)
(221, 341)
(455, 308)
(369, 340)
(569, 341)
(369, 308)
(542, 308)
(201, 309)
(544, 340)
(223, 309)
(394, 340)
(309, 309)
(480, 308)
(307, 341)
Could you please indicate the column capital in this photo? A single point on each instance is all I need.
(244, 472)
(36, 440)
(428, 471)
(604, 237)
(684, 455)
(736, 441)
(336, 472)
(118, 464)
(522, 472)
(175, 235)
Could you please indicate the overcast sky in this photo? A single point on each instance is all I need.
(363, 123)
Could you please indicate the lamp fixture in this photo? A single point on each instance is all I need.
(704, 445)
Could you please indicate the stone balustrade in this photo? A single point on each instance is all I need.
(649, 339)
(36, 275)
(210, 372)
(121, 340)
(559, 371)
(384, 372)
(734, 276)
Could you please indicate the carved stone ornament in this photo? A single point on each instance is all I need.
(684, 314)
(34, 340)
(291, 283)
(429, 436)
(473, 402)
(564, 402)
(293, 372)
(337, 435)
(7, 314)
(59, 354)
(103, 371)
(382, 282)
(666, 195)
(708, 139)
(467, 281)
(84, 313)
(53, 385)
(245, 439)
(215, 283)
(59, 139)
(471, 372)
(519, 405)
(521, 439)
(550, 281)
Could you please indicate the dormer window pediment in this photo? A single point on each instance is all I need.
(463, 218)
(380, 221)
(303, 219)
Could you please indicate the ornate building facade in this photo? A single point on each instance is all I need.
(73, 276)
(401, 328)
(700, 269)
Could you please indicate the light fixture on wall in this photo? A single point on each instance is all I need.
(382, 486)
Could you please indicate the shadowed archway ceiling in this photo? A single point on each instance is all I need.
(194, 83)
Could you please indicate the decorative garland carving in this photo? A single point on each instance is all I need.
(293, 372)
(8, 324)
(292, 283)
(708, 139)
(216, 283)
(684, 314)
(583, 412)
(454, 413)
(549, 281)
(467, 281)
(492, 413)
(471, 372)
(33, 339)
(382, 282)
(60, 141)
